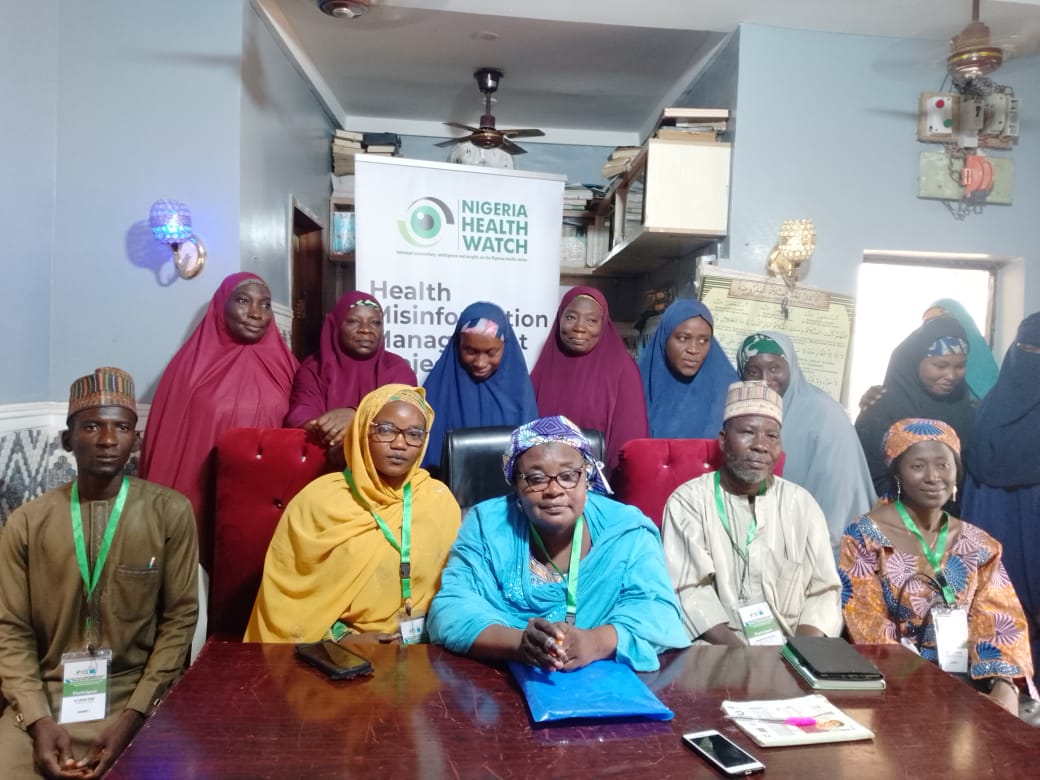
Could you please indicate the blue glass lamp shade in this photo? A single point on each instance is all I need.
(170, 221)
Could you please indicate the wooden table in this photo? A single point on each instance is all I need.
(255, 711)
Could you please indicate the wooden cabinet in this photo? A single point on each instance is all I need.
(673, 199)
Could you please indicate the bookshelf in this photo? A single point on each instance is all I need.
(672, 200)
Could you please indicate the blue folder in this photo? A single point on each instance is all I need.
(603, 689)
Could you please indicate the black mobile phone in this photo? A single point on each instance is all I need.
(336, 661)
(726, 756)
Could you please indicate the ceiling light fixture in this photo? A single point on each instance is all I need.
(344, 9)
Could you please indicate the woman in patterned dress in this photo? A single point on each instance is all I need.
(904, 562)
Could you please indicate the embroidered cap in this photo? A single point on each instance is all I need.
(105, 387)
(753, 398)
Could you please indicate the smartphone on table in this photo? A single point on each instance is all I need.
(336, 661)
(725, 755)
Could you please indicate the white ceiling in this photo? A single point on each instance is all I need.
(585, 71)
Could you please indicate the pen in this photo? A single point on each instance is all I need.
(151, 563)
(794, 721)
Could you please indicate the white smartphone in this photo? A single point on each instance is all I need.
(725, 755)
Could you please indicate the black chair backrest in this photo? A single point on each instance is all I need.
(471, 461)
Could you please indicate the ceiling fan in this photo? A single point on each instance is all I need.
(487, 136)
(976, 53)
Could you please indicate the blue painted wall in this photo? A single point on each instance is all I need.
(149, 104)
(827, 130)
(284, 154)
(28, 137)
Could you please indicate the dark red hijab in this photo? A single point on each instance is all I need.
(600, 389)
(212, 384)
(333, 379)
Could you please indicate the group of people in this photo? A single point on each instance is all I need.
(556, 574)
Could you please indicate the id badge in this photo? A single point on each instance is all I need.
(760, 627)
(84, 694)
(413, 629)
(951, 638)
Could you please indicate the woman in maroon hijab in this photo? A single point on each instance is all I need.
(586, 374)
(351, 362)
(234, 371)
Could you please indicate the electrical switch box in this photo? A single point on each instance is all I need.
(940, 176)
(936, 117)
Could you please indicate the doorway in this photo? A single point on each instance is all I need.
(308, 256)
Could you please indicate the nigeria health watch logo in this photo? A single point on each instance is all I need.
(425, 220)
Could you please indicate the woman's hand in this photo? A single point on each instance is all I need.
(541, 644)
(1005, 693)
(332, 426)
(369, 638)
(871, 396)
(583, 646)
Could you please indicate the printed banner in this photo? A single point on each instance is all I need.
(433, 238)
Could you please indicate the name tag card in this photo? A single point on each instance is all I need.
(760, 627)
(84, 693)
(951, 638)
(413, 630)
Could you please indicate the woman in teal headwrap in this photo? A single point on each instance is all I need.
(982, 367)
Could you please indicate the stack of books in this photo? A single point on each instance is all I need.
(619, 160)
(692, 125)
(576, 198)
(386, 144)
(347, 143)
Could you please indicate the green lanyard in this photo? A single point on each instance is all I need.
(934, 556)
(721, 507)
(90, 579)
(405, 545)
(572, 571)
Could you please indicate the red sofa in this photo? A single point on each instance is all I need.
(649, 470)
(258, 471)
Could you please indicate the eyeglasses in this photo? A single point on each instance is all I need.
(538, 481)
(385, 433)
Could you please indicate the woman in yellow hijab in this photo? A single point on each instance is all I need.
(358, 555)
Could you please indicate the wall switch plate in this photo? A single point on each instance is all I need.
(936, 172)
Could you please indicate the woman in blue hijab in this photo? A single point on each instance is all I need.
(685, 374)
(1002, 489)
(480, 379)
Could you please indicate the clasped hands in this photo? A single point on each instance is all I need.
(563, 646)
(52, 747)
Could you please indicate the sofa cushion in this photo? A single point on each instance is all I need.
(649, 470)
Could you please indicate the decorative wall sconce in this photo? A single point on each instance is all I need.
(794, 246)
(171, 224)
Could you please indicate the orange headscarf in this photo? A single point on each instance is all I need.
(328, 559)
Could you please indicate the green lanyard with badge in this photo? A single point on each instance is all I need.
(572, 571)
(85, 674)
(756, 618)
(413, 627)
(949, 620)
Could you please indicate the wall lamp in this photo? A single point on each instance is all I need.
(171, 224)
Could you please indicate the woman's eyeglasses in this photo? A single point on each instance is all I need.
(537, 482)
(385, 433)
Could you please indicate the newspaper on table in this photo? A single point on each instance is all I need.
(802, 721)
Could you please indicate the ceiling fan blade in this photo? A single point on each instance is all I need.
(461, 126)
(528, 132)
(509, 146)
(453, 141)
